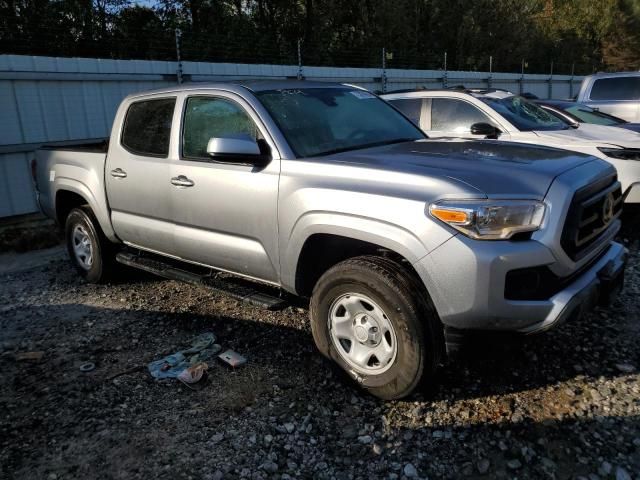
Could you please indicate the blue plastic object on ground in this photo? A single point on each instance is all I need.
(202, 349)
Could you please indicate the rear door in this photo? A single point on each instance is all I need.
(138, 172)
(225, 214)
(619, 96)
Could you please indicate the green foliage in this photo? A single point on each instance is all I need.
(573, 34)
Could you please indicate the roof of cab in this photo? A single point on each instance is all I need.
(240, 86)
(632, 73)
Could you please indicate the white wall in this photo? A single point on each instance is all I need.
(47, 99)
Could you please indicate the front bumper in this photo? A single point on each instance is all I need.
(599, 285)
(466, 281)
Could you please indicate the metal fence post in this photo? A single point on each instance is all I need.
(490, 71)
(383, 78)
(444, 74)
(178, 58)
(551, 82)
(573, 69)
(300, 76)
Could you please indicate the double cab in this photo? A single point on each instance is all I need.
(324, 191)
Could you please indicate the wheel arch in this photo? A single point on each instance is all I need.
(70, 194)
(321, 251)
(338, 237)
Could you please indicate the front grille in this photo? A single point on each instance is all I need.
(593, 209)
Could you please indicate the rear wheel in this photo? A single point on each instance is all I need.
(90, 251)
(370, 316)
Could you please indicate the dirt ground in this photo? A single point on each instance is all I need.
(565, 404)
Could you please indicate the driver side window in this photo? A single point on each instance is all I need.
(456, 116)
(208, 117)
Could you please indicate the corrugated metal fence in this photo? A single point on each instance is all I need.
(50, 100)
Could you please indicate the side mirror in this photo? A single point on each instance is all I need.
(238, 150)
(485, 129)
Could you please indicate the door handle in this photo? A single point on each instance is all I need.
(182, 181)
(118, 173)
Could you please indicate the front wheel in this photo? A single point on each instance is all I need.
(90, 251)
(369, 315)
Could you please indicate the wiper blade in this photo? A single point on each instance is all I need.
(366, 145)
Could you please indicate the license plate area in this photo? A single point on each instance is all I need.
(611, 283)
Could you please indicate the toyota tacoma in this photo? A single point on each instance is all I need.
(324, 191)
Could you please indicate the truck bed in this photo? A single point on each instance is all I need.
(93, 147)
(75, 168)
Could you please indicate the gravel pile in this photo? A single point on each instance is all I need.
(565, 404)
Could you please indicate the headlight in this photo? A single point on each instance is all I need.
(490, 219)
(621, 153)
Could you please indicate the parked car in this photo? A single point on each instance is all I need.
(501, 115)
(614, 93)
(325, 191)
(576, 113)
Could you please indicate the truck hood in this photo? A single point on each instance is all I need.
(493, 168)
(587, 135)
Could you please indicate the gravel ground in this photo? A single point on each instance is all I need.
(565, 404)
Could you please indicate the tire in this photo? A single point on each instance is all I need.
(399, 319)
(95, 263)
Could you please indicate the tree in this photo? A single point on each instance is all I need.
(621, 43)
(416, 33)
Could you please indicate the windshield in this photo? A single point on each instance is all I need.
(589, 115)
(320, 121)
(524, 115)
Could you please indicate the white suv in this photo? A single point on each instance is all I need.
(499, 114)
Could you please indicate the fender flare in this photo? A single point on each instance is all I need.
(386, 235)
(79, 188)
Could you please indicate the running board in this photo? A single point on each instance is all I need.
(238, 290)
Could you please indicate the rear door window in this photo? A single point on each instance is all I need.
(411, 107)
(147, 127)
(213, 117)
(457, 116)
(618, 88)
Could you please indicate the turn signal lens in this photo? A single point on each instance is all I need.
(452, 215)
(490, 219)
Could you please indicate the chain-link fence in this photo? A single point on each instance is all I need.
(254, 47)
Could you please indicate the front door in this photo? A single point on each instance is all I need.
(225, 214)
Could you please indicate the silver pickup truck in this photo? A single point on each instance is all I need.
(325, 191)
(613, 93)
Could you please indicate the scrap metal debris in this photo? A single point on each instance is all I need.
(232, 358)
(37, 356)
